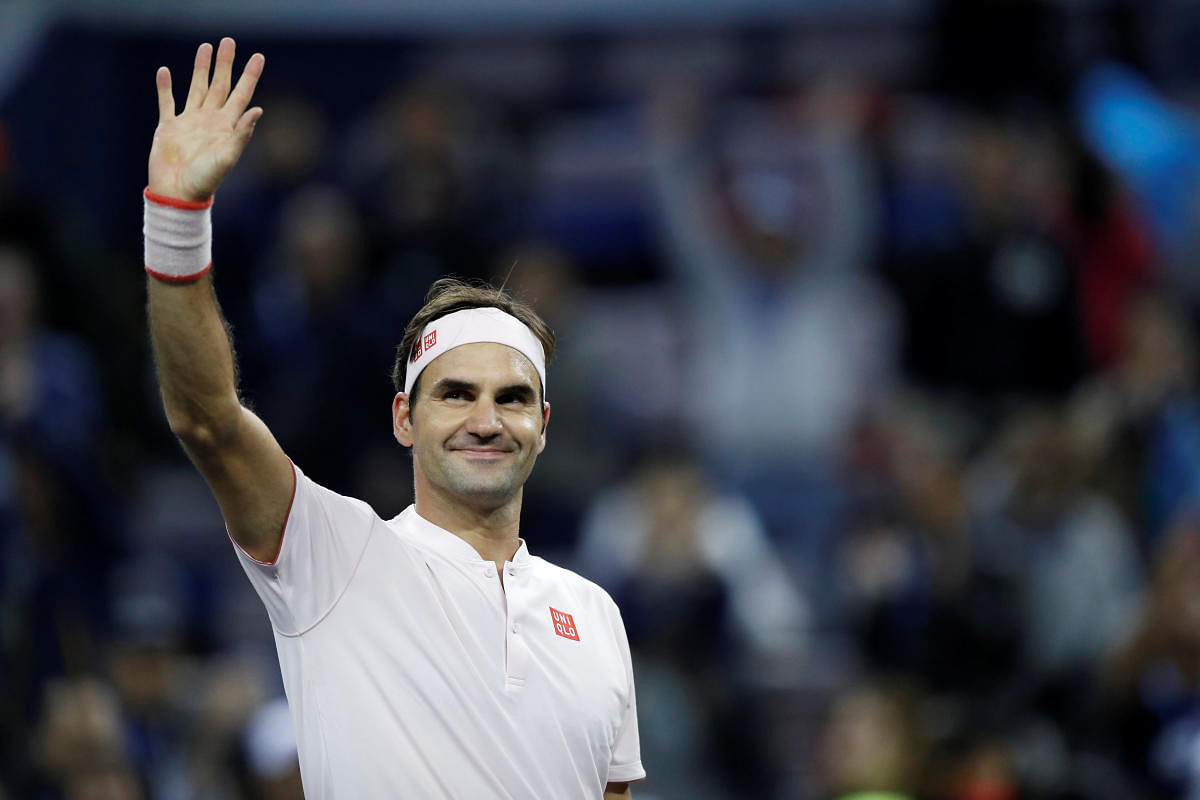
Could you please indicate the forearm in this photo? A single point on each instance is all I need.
(191, 153)
(194, 359)
(249, 473)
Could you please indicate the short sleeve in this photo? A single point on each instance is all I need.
(324, 537)
(626, 764)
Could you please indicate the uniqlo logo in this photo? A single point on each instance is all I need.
(423, 344)
(564, 625)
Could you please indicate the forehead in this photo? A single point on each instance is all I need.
(482, 363)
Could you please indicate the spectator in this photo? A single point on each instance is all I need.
(712, 616)
(668, 526)
(321, 339)
(872, 746)
(81, 748)
(1151, 682)
(990, 298)
(611, 338)
(270, 749)
(432, 170)
(915, 587)
(789, 339)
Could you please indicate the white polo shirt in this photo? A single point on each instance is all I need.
(412, 671)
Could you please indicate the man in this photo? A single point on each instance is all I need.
(425, 656)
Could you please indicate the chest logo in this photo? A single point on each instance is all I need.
(564, 624)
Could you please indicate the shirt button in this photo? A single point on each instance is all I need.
(516, 628)
(512, 572)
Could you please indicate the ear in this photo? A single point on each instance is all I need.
(545, 424)
(402, 420)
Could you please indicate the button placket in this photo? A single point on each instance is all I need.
(518, 653)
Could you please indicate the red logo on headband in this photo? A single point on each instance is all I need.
(423, 344)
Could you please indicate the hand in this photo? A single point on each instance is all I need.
(194, 151)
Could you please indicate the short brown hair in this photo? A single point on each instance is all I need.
(448, 295)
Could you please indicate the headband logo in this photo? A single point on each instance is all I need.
(423, 344)
(472, 326)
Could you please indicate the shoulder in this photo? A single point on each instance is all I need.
(407, 529)
(334, 506)
(579, 587)
(586, 604)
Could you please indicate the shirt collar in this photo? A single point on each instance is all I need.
(449, 544)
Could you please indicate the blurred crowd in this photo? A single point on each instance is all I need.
(877, 411)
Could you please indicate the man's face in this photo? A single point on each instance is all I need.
(478, 425)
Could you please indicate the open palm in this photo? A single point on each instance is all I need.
(194, 151)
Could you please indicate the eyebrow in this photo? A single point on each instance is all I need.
(452, 385)
(522, 390)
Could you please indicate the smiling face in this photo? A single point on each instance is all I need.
(477, 427)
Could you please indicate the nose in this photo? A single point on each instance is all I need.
(484, 421)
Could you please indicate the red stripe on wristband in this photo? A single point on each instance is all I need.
(179, 278)
(187, 205)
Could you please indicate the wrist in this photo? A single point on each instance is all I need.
(176, 192)
(178, 237)
(177, 200)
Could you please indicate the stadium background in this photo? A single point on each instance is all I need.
(876, 408)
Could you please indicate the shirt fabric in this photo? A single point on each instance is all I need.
(412, 670)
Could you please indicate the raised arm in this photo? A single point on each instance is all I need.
(192, 153)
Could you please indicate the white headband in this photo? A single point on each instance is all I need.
(469, 326)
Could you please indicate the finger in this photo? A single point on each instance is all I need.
(199, 87)
(166, 100)
(243, 129)
(222, 75)
(245, 124)
(240, 97)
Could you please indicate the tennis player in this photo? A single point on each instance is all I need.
(430, 655)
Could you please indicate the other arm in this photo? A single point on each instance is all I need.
(192, 153)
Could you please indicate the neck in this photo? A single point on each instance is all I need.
(493, 531)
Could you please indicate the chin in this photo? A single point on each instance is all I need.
(490, 493)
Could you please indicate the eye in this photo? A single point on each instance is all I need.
(511, 399)
(455, 394)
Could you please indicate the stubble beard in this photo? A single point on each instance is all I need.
(481, 485)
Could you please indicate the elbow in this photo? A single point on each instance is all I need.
(194, 436)
(204, 432)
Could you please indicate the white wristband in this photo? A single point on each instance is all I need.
(178, 235)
